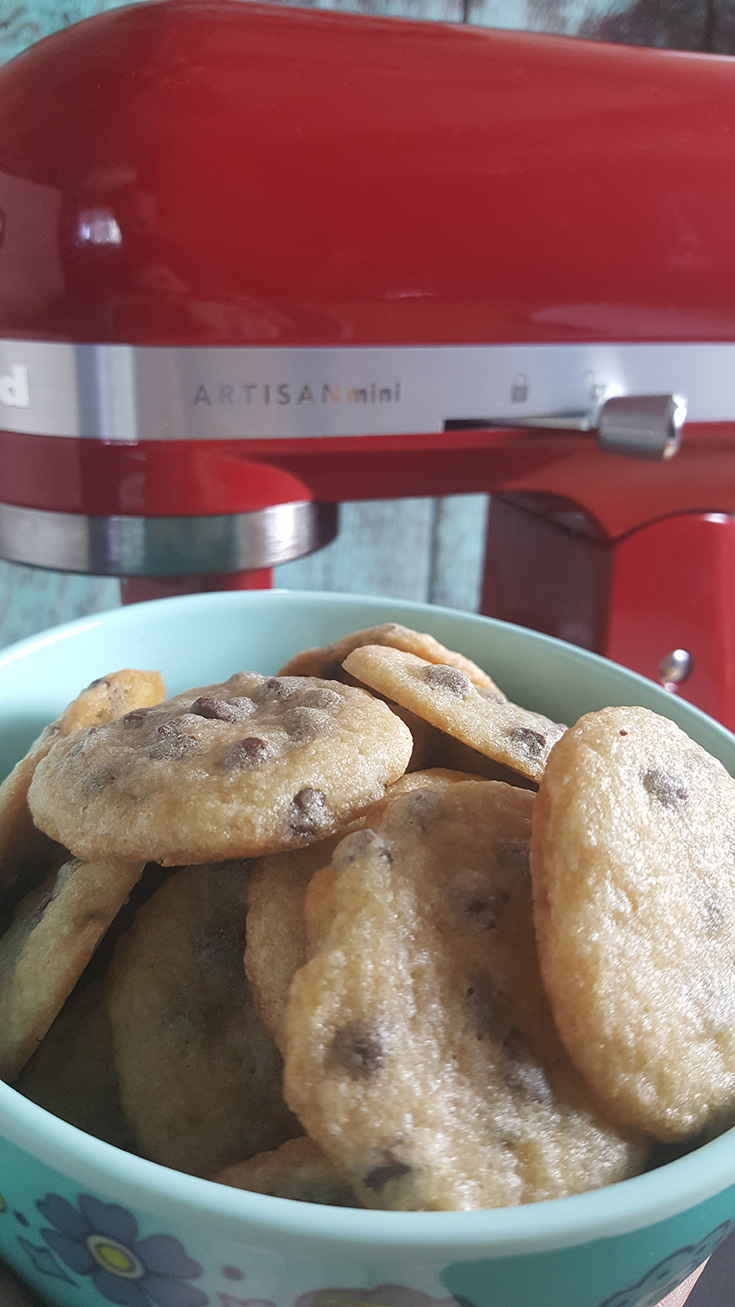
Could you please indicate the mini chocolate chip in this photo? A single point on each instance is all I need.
(390, 1168)
(441, 677)
(522, 1073)
(532, 742)
(712, 909)
(491, 696)
(134, 718)
(249, 752)
(217, 709)
(171, 746)
(97, 779)
(513, 856)
(168, 728)
(80, 743)
(221, 950)
(415, 809)
(358, 1049)
(304, 724)
(181, 1019)
(479, 912)
(490, 1007)
(622, 732)
(322, 697)
(274, 690)
(666, 789)
(359, 844)
(309, 813)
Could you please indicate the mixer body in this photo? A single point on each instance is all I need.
(255, 262)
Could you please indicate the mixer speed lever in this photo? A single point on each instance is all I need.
(641, 426)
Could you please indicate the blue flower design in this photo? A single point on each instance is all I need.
(101, 1240)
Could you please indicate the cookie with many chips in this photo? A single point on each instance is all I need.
(447, 698)
(420, 1052)
(633, 860)
(256, 765)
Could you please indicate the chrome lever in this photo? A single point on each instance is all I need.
(640, 426)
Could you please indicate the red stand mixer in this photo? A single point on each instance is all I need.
(255, 262)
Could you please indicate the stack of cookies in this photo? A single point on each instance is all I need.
(367, 933)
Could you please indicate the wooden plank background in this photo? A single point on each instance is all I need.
(415, 548)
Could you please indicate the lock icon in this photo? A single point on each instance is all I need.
(519, 388)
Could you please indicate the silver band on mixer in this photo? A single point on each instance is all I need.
(165, 546)
(128, 393)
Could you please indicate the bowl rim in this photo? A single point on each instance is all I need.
(644, 1200)
(640, 1201)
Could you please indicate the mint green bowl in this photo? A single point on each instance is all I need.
(88, 1225)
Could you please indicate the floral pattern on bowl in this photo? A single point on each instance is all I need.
(100, 1240)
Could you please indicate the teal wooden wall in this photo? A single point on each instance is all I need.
(417, 548)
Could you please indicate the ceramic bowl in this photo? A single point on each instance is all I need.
(88, 1225)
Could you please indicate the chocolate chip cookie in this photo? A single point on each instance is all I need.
(447, 698)
(26, 853)
(633, 860)
(200, 1079)
(55, 931)
(253, 766)
(420, 1052)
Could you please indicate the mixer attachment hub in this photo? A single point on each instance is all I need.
(166, 546)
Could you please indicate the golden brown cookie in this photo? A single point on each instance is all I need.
(276, 932)
(327, 662)
(256, 765)
(72, 1073)
(200, 1079)
(420, 1052)
(26, 853)
(445, 697)
(633, 861)
(55, 931)
(298, 1169)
